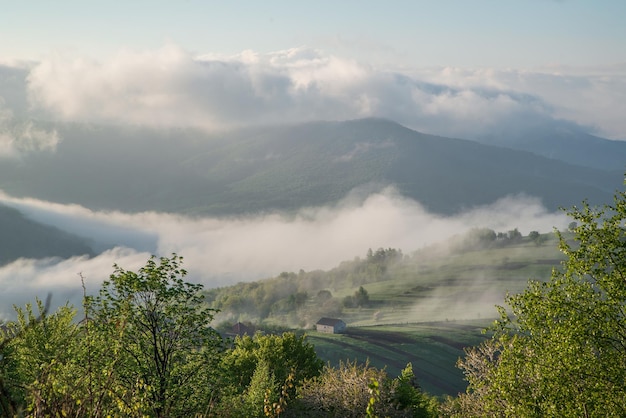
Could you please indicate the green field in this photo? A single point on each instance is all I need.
(433, 349)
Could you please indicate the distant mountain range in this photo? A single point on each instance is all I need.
(565, 142)
(288, 167)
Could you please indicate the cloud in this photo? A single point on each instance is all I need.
(363, 148)
(18, 137)
(592, 97)
(172, 87)
(221, 251)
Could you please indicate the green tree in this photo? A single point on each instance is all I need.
(361, 297)
(560, 349)
(263, 363)
(42, 355)
(166, 343)
(407, 395)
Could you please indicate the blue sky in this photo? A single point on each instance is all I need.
(519, 34)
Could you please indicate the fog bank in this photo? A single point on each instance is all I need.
(222, 251)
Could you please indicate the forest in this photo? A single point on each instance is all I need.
(147, 345)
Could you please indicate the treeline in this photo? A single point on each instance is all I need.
(144, 346)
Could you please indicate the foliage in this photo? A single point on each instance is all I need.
(163, 325)
(12, 384)
(264, 370)
(44, 357)
(536, 237)
(561, 350)
(284, 354)
(408, 395)
(144, 347)
(352, 389)
(374, 398)
(359, 299)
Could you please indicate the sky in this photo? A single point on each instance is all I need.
(449, 67)
(480, 33)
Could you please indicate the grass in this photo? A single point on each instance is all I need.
(433, 349)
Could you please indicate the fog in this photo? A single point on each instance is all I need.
(222, 251)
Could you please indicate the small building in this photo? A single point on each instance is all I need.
(330, 325)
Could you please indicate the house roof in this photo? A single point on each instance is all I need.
(329, 321)
(240, 328)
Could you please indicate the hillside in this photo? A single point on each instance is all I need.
(22, 237)
(566, 143)
(422, 308)
(462, 278)
(289, 167)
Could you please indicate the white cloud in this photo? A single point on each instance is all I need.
(593, 97)
(172, 87)
(219, 251)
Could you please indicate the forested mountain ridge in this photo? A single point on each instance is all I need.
(288, 167)
(564, 142)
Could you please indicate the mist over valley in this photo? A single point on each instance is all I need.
(254, 164)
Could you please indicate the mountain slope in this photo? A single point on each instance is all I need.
(22, 237)
(566, 143)
(288, 167)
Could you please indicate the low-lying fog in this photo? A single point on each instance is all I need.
(222, 251)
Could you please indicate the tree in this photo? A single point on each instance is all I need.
(33, 350)
(514, 235)
(324, 295)
(167, 346)
(351, 389)
(560, 350)
(42, 359)
(361, 297)
(536, 237)
(256, 365)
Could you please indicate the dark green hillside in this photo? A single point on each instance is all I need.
(289, 167)
(22, 237)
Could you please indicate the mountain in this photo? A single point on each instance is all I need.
(564, 142)
(288, 167)
(22, 237)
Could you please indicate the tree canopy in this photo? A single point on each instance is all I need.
(559, 348)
